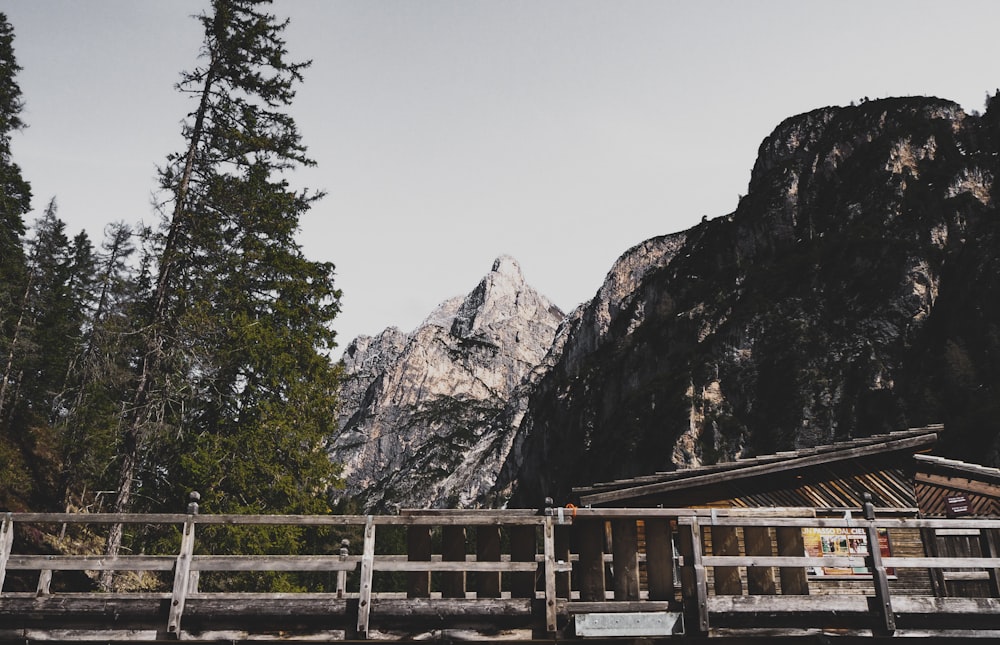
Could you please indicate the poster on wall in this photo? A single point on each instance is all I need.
(845, 542)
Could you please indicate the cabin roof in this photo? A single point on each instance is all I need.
(942, 483)
(730, 473)
(955, 468)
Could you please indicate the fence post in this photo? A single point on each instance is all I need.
(345, 545)
(879, 577)
(564, 583)
(182, 569)
(694, 584)
(549, 546)
(367, 568)
(6, 544)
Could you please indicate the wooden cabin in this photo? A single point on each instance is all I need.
(832, 481)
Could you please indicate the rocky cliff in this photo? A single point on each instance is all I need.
(854, 290)
(419, 412)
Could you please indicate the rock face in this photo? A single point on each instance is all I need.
(418, 424)
(855, 290)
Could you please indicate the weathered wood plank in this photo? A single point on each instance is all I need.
(274, 563)
(549, 574)
(91, 562)
(365, 586)
(610, 607)
(452, 607)
(44, 582)
(6, 544)
(694, 582)
(520, 568)
(838, 604)
(991, 548)
(563, 559)
(951, 563)
(784, 561)
(879, 578)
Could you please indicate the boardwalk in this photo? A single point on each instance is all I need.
(561, 574)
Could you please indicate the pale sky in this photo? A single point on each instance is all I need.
(448, 132)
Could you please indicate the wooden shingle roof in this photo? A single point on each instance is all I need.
(833, 459)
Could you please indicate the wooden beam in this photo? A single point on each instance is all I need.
(959, 483)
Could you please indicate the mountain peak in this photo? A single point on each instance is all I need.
(508, 266)
(428, 402)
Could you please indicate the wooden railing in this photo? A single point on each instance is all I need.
(561, 573)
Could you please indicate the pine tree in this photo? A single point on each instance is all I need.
(15, 192)
(235, 381)
(15, 202)
(100, 371)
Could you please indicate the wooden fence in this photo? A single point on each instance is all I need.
(560, 574)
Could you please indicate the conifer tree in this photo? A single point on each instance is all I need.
(234, 381)
(15, 202)
(99, 372)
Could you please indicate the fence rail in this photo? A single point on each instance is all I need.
(559, 574)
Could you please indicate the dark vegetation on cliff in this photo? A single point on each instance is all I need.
(854, 290)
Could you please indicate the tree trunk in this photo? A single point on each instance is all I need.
(134, 417)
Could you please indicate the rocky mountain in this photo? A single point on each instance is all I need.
(854, 290)
(419, 412)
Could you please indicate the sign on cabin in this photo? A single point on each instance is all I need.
(957, 505)
(843, 542)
